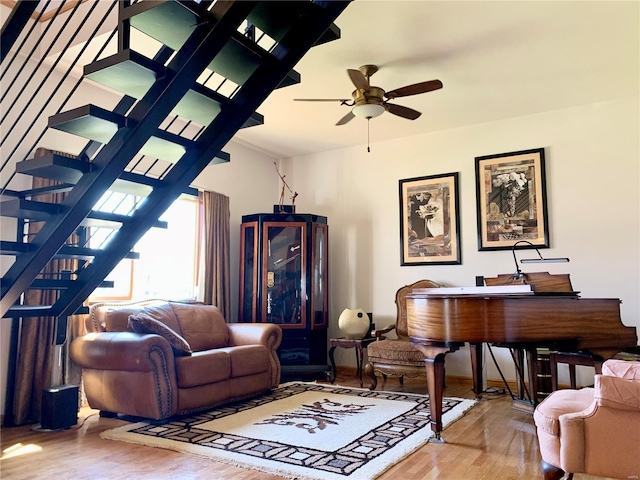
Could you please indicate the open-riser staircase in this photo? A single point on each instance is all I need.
(199, 40)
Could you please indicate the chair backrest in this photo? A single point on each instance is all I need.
(401, 305)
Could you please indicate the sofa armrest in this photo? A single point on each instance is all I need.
(267, 334)
(125, 351)
(129, 373)
(612, 418)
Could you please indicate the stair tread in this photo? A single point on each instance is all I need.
(42, 211)
(133, 74)
(171, 23)
(88, 121)
(31, 209)
(58, 284)
(133, 178)
(98, 124)
(54, 167)
(66, 251)
(37, 311)
(276, 17)
(67, 169)
(96, 218)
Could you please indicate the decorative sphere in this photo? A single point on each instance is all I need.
(354, 323)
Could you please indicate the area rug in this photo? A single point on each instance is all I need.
(304, 431)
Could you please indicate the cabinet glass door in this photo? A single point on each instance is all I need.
(284, 274)
(248, 272)
(319, 264)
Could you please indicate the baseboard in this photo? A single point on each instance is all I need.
(456, 379)
(450, 379)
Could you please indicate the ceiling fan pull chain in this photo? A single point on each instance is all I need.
(368, 122)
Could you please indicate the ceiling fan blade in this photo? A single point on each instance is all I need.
(414, 89)
(347, 118)
(358, 79)
(320, 100)
(404, 112)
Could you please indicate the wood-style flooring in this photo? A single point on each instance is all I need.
(492, 441)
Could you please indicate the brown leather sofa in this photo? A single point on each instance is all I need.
(198, 362)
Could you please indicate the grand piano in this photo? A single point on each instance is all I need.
(440, 322)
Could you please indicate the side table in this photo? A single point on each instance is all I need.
(358, 344)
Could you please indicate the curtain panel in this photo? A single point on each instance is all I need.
(215, 220)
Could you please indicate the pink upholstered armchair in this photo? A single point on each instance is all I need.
(596, 430)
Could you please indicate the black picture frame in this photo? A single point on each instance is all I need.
(430, 220)
(511, 200)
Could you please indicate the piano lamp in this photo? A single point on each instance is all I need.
(540, 259)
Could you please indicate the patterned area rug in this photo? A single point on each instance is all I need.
(304, 431)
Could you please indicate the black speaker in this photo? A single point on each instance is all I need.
(59, 407)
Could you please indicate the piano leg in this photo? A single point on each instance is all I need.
(518, 360)
(434, 365)
(475, 350)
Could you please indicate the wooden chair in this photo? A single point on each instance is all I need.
(396, 356)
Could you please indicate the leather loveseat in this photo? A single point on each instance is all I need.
(156, 359)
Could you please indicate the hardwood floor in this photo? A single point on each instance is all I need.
(492, 441)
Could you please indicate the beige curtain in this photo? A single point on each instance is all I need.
(35, 353)
(215, 218)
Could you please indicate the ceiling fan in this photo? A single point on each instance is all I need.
(369, 101)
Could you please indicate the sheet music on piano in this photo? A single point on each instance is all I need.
(493, 290)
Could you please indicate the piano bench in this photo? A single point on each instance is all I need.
(572, 359)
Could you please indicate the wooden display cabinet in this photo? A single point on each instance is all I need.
(283, 280)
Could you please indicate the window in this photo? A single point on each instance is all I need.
(167, 264)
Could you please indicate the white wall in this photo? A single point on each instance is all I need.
(592, 170)
(252, 185)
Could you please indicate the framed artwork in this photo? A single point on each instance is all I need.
(511, 200)
(429, 220)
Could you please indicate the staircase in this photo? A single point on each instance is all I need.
(199, 41)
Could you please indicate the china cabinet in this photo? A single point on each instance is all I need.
(283, 280)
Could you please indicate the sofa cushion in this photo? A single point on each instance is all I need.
(142, 322)
(201, 368)
(203, 326)
(248, 360)
(115, 317)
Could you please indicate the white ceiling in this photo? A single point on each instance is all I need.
(496, 59)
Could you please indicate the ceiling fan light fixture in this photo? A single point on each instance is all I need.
(371, 110)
